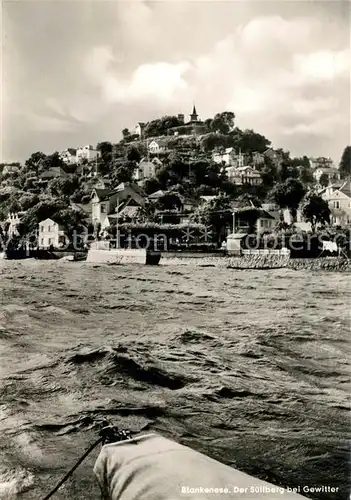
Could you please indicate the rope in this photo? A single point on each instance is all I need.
(70, 472)
(108, 434)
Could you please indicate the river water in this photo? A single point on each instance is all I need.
(250, 367)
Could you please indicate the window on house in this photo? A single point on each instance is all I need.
(50, 241)
(336, 204)
(42, 241)
(49, 229)
(103, 209)
(41, 228)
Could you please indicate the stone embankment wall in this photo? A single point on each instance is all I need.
(255, 261)
(322, 264)
(258, 262)
(189, 259)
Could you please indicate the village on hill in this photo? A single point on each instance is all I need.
(175, 172)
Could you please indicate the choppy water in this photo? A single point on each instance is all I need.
(250, 367)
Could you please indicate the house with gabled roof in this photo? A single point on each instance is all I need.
(339, 201)
(157, 146)
(145, 170)
(104, 202)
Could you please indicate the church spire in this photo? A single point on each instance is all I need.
(194, 115)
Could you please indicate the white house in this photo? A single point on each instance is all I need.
(331, 172)
(87, 153)
(321, 162)
(229, 157)
(69, 156)
(51, 233)
(156, 147)
(145, 170)
(244, 175)
(339, 201)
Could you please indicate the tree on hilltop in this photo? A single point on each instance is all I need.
(249, 141)
(160, 126)
(223, 122)
(34, 161)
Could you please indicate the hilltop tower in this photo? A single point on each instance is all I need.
(194, 116)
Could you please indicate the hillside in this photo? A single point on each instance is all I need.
(46, 186)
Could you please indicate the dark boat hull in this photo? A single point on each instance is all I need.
(153, 258)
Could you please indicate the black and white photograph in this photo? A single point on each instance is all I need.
(175, 245)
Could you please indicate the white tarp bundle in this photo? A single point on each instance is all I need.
(152, 467)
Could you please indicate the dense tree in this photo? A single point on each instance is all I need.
(306, 175)
(151, 185)
(345, 163)
(105, 149)
(133, 154)
(51, 161)
(300, 162)
(160, 126)
(269, 175)
(28, 200)
(125, 133)
(287, 170)
(47, 207)
(169, 201)
(208, 124)
(63, 186)
(288, 194)
(123, 171)
(178, 168)
(211, 141)
(56, 209)
(324, 180)
(34, 161)
(249, 141)
(315, 210)
(223, 122)
(217, 214)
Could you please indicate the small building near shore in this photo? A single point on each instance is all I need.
(51, 234)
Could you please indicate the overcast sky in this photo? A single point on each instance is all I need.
(78, 72)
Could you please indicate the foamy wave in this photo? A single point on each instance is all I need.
(13, 482)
